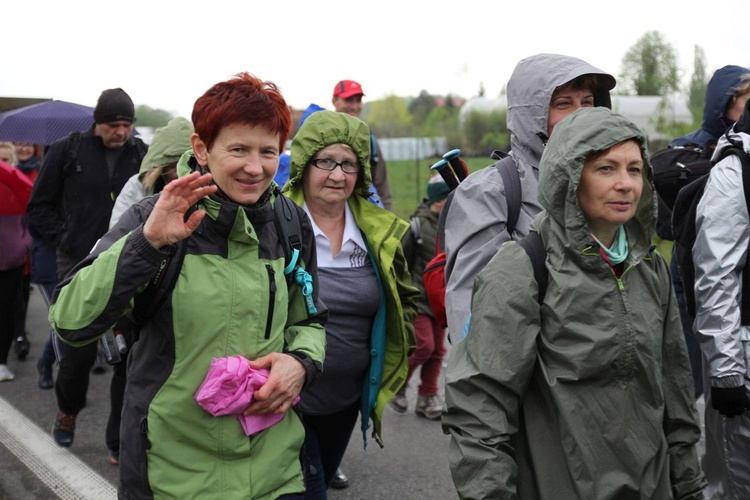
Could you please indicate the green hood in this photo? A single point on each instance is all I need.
(168, 144)
(322, 129)
(587, 131)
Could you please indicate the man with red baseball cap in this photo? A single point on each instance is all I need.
(347, 98)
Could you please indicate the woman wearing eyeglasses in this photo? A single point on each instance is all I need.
(364, 283)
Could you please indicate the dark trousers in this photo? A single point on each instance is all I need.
(22, 306)
(326, 440)
(48, 353)
(11, 281)
(691, 339)
(72, 382)
(116, 398)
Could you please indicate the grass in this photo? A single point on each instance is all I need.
(408, 180)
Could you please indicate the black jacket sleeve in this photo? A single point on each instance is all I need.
(44, 209)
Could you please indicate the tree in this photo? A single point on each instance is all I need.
(389, 117)
(698, 84)
(443, 122)
(420, 107)
(151, 117)
(483, 132)
(650, 67)
(664, 123)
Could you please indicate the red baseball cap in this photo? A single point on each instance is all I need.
(347, 88)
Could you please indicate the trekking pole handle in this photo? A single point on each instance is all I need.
(446, 173)
(459, 167)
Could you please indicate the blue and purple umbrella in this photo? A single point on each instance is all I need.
(45, 123)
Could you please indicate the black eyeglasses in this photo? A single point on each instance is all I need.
(329, 165)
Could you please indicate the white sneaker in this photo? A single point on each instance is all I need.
(398, 402)
(6, 374)
(429, 407)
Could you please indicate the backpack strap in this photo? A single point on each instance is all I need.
(534, 247)
(374, 153)
(512, 183)
(532, 242)
(440, 235)
(289, 229)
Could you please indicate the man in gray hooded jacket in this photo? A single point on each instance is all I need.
(542, 90)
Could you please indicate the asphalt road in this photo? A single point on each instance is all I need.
(413, 464)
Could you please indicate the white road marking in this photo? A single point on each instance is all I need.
(62, 472)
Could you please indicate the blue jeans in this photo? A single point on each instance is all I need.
(326, 440)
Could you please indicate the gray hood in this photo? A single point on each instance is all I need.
(530, 90)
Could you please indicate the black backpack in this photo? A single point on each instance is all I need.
(674, 168)
(684, 233)
(115, 342)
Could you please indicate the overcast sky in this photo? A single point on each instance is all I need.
(166, 53)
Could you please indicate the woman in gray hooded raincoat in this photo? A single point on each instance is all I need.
(588, 395)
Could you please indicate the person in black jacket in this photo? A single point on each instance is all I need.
(70, 207)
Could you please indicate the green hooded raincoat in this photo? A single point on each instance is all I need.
(589, 397)
(393, 330)
(231, 298)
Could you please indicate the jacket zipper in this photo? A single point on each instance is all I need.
(271, 298)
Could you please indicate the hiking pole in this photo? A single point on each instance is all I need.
(457, 164)
(446, 173)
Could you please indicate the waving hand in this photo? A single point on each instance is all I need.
(166, 224)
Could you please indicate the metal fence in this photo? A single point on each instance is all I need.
(411, 148)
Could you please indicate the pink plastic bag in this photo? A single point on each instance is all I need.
(228, 389)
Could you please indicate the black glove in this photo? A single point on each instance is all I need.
(729, 401)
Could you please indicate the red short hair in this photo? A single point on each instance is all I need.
(244, 99)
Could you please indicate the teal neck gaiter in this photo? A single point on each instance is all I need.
(618, 252)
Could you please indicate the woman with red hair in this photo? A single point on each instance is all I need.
(230, 299)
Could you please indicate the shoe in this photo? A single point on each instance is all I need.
(114, 457)
(429, 407)
(100, 365)
(339, 481)
(5, 374)
(22, 347)
(64, 429)
(45, 375)
(399, 402)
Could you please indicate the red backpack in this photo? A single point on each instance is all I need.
(434, 278)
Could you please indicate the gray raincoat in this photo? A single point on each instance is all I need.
(476, 222)
(589, 396)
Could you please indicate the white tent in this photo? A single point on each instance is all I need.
(644, 111)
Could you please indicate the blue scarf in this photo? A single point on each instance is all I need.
(27, 166)
(618, 252)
